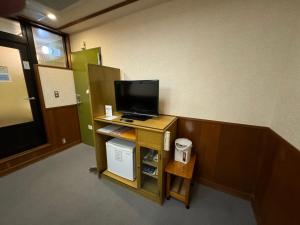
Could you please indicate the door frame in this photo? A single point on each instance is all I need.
(11, 40)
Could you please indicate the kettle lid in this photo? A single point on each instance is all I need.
(183, 142)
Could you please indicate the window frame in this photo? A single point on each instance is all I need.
(12, 37)
(53, 32)
(27, 38)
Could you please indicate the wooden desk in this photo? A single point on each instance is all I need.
(182, 182)
(148, 136)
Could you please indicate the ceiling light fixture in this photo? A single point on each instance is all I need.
(51, 16)
(45, 50)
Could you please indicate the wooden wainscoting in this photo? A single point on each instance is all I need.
(277, 196)
(60, 122)
(229, 155)
(63, 123)
(251, 162)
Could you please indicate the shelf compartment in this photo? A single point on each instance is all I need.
(149, 180)
(150, 163)
(148, 156)
(127, 182)
(178, 188)
(176, 185)
(126, 134)
(149, 184)
(150, 171)
(150, 175)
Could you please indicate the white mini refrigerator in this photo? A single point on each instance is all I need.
(120, 156)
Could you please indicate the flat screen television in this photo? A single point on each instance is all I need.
(137, 99)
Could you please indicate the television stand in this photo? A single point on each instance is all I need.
(135, 117)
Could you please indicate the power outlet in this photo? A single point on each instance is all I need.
(56, 94)
(64, 141)
(90, 127)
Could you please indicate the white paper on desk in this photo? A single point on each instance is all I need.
(109, 128)
(110, 117)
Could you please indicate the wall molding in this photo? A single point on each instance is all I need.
(98, 13)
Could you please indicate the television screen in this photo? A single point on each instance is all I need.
(138, 97)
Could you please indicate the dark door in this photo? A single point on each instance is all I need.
(21, 124)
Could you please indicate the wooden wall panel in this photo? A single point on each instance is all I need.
(270, 146)
(239, 155)
(229, 155)
(277, 195)
(61, 122)
(248, 161)
(66, 124)
(205, 138)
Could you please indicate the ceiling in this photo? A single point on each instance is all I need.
(69, 12)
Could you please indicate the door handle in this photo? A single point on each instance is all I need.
(29, 98)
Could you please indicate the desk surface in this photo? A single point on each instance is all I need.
(156, 123)
(181, 169)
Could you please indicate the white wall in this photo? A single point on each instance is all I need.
(60, 80)
(215, 59)
(286, 120)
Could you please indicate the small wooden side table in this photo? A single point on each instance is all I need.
(183, 174)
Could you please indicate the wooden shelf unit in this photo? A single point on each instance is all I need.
(145, 134)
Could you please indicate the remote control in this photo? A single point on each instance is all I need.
(127, 120)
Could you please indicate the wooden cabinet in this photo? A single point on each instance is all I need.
(150, 156)
(148, 136)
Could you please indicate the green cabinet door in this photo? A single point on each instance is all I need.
(80, 60)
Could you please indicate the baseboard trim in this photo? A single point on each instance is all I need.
(39, 154)
(15, 156)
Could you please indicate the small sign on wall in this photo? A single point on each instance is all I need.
(26, 65)
(4, 75)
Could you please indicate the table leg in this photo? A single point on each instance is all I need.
(187, 184)
(168, 185)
